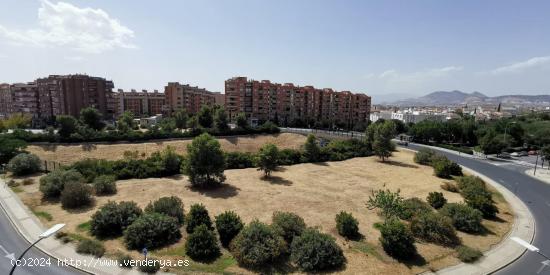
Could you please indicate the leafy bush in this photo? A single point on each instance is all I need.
(76, 195)
(390, 203)
(89, 246)
(468, 254)
(397, 239)
(202, 244)
(449, 186)
(442, 167)
(238, 160)
(433, 227)
(53, 183)
(152, 230)
(149, 266)
(205, 161)
(124, 260)
(464, 217)
(424, 156)
(91, 168)
(105, 185)
(455, 169)
(347, 225)
(412, 207)
(476, 195)
(289, 157)
(112, 218)
(24, 164)
(436, 199)
(337, 150)
(10, 148)
(312, 152)
(169, 206)
(268, 158)
(257, 245)
(228, 224)
(315, 251)
(198, 215)
(288, 225)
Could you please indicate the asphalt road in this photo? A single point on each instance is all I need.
(13, 242)
(534, 193)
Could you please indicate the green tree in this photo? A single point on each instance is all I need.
(268, 158)
(241, 120)
(382, 144)
(228, 224)
(126, 122)
(491, 143)
(92, 118)
(66, 125)
(316, 251)
(545, 152)
(198, 215)
(193, 122)
(312, 151)
(202, 245)
(220, 120)
(10, 147)
(181, 117)
(390, 203)
(169, 206)
(205, 117)
(205, 161)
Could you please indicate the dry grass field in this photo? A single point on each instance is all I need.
(67, 154)
(317, 192)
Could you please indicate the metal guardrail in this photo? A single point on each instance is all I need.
(341, 134)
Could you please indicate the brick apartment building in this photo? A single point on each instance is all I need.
(69, 94)
(289, 104)
(5, 100)
(141, 104)
(190, 98)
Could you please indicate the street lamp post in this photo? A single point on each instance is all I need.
(42, 236)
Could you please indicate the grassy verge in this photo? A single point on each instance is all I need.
(43, 214)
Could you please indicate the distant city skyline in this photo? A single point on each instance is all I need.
(395, 49)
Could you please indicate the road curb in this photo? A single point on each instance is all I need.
(505, 252)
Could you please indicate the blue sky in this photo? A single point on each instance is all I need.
(397, 48)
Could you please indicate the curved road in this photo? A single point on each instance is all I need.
(12, 242)
(534, 193)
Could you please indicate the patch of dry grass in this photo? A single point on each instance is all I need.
(317, 192)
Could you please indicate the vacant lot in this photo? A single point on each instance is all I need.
(317, 192)
(67, 154)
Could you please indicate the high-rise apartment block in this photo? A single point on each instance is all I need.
(141, 104)
(69, 94)
(5, 100)
(190, 98)
(289, 104)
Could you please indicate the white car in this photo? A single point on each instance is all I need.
(514, 154)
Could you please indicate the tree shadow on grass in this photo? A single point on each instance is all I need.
(81, 209)
(496, 219)
(416, 260)
(484, 231)
(223, 191)
(324, 163)
(276, 180)
(398, 163)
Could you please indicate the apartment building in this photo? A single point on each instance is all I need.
(25, 99)
(290, 104)
(69, 94)
(5, 100)
(141, 104)
(190, 98)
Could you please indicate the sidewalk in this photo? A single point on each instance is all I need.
(543, 174)
(30, 227)
(507, 251)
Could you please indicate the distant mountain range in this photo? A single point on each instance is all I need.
(444, 98)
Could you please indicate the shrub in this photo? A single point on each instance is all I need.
(449, 186)
(76, 195)
(202, 244)
(268, 158)
(89, 246)
(397, 240)
(52, 184)
(442, 167)
(91, 168)
(464, 217)
(413, 207)
(347, 225)
(433, 227)
(288, 225)
(149, 266)
(198, 215)
(436, 199)
(228, 224)
(315, 251)
(257, 245)
(105, 185)
(24, 164)
(205, 161)
(468, 254)
(238, 160)
(152, 230)
(112, 218)
(312, 152)
(477, 196)
(289, 157)
(424, 156)
(124, 260)
(455, 169)
(390, 203)
(169, 206)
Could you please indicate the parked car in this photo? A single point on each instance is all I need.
(523, 154)
(532, 153)
(403, 143)
(504, 155)
(514, 154)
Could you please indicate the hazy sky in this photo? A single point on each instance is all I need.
(377, 47)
